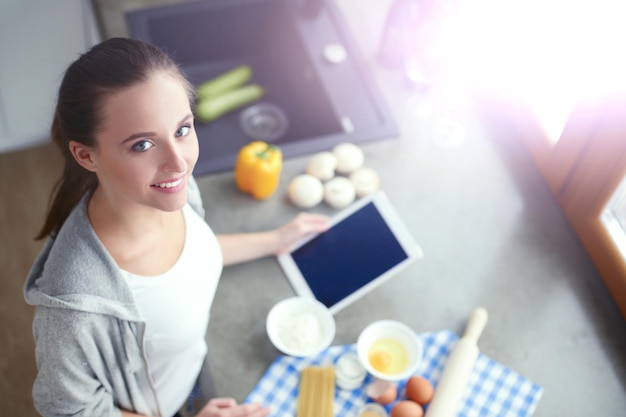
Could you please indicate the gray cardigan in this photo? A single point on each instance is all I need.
(88, 332)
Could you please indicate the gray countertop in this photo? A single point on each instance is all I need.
(492, 235)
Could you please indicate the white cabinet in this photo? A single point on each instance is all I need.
(38, 40)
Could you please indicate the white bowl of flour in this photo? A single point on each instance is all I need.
(300, 326)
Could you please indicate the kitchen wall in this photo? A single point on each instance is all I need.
(38, 40)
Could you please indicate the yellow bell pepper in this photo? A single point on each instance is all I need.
(257, 170)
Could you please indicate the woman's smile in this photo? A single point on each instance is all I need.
(170, 186)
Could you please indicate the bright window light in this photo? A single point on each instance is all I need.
(548, 53)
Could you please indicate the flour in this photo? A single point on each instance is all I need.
(301, 332)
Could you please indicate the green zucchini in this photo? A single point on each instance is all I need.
(211, 108)
(226, 81)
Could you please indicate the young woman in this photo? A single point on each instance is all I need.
(124, 283)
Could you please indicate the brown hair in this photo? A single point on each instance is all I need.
(108, 67)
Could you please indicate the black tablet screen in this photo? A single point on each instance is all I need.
(351, 254)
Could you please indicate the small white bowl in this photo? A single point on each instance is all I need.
(373, 409)
(300, 326)
(395, 330)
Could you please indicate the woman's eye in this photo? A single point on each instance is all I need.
(183, 131)
(142, 146)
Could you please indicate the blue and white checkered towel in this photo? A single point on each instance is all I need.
(493, 390)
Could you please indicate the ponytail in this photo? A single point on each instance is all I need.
(74, 183)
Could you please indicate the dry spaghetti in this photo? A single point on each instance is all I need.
(317, 392)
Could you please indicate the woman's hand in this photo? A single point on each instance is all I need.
(228, 407)
(302, 225)
(243, 247)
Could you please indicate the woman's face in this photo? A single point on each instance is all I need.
(148, 147)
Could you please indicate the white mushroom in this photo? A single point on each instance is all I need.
(365, 181)
(339, 192)
(322, 165)
(349, 157)
(305, 191)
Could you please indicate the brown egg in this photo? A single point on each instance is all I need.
(419, 389)
(406, 408)
(382, 392)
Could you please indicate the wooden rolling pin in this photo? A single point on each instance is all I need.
(458, 368)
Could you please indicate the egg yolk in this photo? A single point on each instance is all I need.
(388, 356)
(380, 360)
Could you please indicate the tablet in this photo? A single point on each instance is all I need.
(366, 244)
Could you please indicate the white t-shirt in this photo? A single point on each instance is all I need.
(175, 306)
